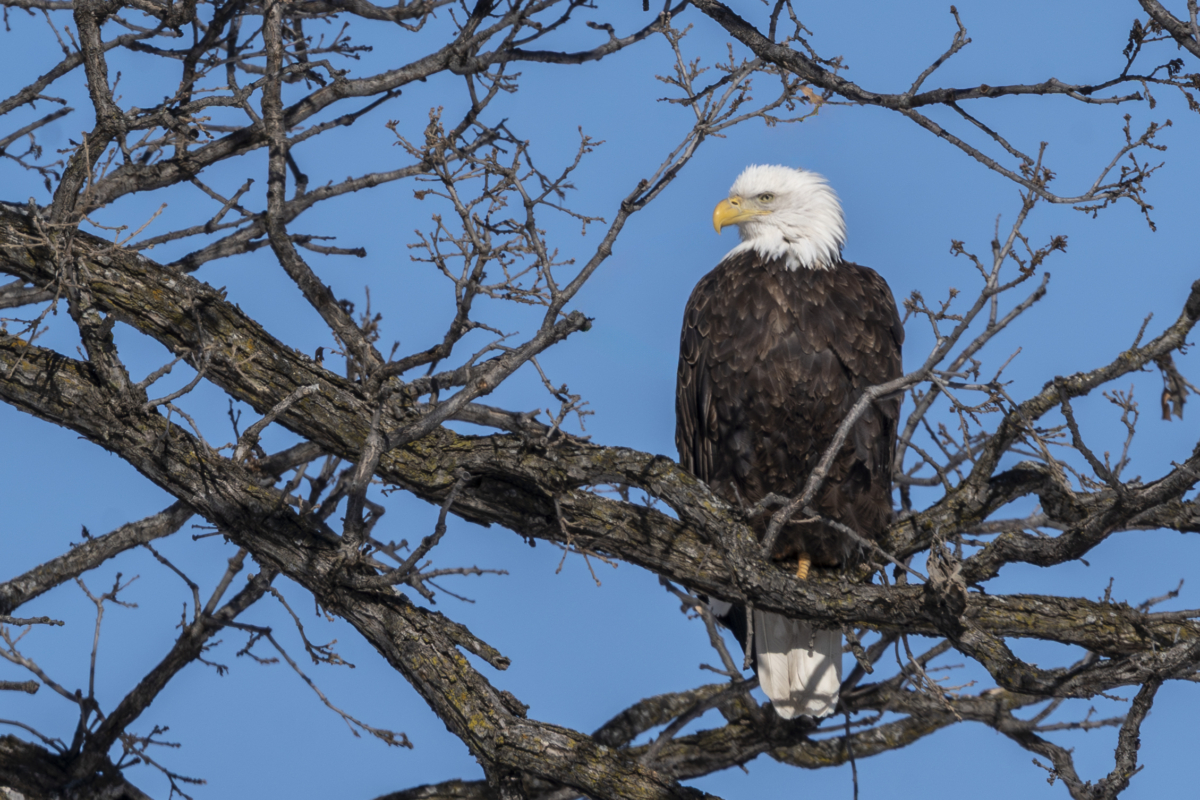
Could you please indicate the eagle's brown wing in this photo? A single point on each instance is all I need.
(771, 361)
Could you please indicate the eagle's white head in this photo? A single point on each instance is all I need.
(785, 213)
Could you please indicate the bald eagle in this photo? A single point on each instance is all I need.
(778, 343)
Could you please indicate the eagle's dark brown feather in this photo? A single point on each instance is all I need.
(770, 361)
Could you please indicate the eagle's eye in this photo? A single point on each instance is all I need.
(766, 197)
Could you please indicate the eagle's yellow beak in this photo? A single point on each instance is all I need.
(733, 211)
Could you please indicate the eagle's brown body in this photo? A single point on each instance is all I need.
(771, 360)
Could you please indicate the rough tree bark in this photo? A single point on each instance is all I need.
(365, 415)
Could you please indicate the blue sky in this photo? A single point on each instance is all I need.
(582, 652)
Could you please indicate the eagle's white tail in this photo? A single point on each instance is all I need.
(799, 668)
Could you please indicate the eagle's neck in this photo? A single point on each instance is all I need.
(795, 254)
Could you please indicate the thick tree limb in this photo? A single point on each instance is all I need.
(60, 390)
(419, 644)
(1179, 30)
